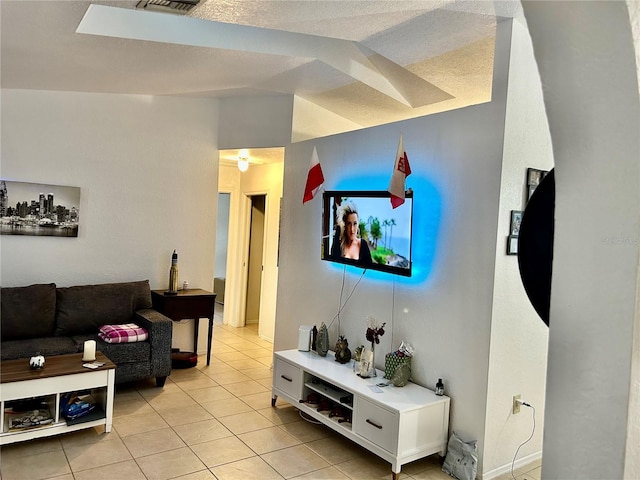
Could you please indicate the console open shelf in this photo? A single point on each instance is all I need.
(329, 391)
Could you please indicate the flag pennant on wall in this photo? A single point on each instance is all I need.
(315, 178)
(401, 170)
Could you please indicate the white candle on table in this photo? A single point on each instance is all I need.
(89, 351)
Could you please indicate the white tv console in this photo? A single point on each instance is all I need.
(399, 424)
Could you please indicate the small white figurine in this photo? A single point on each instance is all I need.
(36, 362)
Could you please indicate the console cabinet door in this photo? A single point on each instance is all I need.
(288, 378)
(376, 424)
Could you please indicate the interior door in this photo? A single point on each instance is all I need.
(255, 256)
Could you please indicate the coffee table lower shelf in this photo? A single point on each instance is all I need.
(61, 374)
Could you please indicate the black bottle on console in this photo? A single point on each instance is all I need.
(439, 387)
(314, 337)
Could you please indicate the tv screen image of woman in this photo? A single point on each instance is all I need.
(347, 242)
(361, 228)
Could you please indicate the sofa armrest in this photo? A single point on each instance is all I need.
(160, 330)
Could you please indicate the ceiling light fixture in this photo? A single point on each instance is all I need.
(243, 160)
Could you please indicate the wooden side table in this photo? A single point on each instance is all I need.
(192, 303)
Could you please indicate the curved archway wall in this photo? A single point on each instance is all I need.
(591, 416)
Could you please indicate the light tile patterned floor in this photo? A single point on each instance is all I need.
(208, 423)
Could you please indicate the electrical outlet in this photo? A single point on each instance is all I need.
(516, 405)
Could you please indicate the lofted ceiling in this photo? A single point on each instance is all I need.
(369, 62)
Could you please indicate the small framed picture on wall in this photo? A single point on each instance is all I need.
(512, 245)
(534, 177)
(516, 220)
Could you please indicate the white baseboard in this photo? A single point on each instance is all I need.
(521, 462)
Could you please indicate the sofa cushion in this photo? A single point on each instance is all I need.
(83, 309)
(46, 346)
(28, 312)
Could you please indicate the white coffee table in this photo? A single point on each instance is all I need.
(61, 374)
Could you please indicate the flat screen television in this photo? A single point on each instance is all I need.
(361, 228)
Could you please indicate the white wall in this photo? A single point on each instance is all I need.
(445, 310)
(593, 108)
(147, 170)
(632, 460)
(518, 356)
(447, 315)
(255, 122)
(222, 235)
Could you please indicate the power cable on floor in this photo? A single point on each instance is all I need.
(533, 410)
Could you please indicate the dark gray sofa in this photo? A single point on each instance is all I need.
(42, 319)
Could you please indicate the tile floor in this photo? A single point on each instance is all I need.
(208, 423)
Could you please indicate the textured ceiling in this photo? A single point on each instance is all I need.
(447, 44)
(256, 156)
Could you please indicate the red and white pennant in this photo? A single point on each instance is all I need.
(401, 170)
(315, 178)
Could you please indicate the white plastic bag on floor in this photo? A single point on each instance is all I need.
(461, 461)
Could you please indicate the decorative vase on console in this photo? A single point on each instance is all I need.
(368, 362)
(373, 334)
(322, 342)
(357, 356)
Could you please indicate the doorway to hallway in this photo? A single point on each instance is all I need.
(252, 224)
(255, 264)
